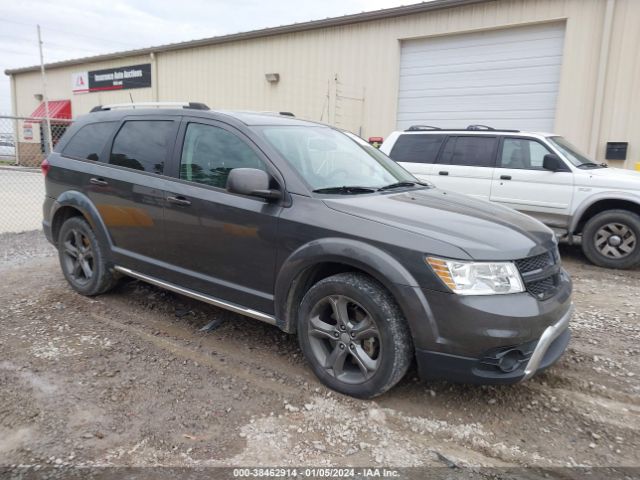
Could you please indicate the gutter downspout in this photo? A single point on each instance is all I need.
(596, 123)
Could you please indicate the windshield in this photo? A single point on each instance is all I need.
(570, 152)
(328, 159)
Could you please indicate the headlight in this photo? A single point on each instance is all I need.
(478, 278)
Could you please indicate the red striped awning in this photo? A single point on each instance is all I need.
(58, 109)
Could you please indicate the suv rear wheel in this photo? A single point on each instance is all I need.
(354, 335)
(82, 258)
(610, 239)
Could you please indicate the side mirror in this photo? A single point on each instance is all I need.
(552, 162)
(252, 182)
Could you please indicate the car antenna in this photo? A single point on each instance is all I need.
(131, 98)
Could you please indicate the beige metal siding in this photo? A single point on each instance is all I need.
(348, 75)
(621, 109)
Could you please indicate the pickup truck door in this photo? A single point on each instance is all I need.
(466, 165)
(520, 182)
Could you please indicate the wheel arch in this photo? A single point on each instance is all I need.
(319, 259)
(601, 204)
(71, 204)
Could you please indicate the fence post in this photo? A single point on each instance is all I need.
(49, 143)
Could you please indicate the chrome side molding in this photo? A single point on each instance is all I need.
(199, 296)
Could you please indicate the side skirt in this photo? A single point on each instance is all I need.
(199, 296)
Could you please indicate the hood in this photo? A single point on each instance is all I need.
(485, 231)
(612, 178)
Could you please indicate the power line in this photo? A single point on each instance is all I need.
(48, 44)
(67, 32)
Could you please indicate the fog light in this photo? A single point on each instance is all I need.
(511, 361)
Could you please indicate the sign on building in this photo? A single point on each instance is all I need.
(120, 78)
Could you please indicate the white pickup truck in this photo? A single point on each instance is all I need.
(540, 174)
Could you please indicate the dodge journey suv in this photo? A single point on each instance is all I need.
(310, 229)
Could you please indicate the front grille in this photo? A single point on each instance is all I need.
(542, 287)
(540, 273)
(532, 264)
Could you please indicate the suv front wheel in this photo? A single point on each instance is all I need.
(82, 258)
(610, 239)
(354, 335)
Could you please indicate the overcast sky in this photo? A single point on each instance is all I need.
(81, 28)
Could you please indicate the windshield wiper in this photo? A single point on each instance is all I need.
(403, 184)
(592, 165)
(345, 190)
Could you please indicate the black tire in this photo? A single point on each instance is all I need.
(377, 345)
(74, 233)
(611, 239)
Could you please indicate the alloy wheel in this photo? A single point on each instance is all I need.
(78, 256)
(344, 339)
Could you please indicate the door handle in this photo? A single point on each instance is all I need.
(98, 181)
(443, 172)
(179, 200)
(505, 177)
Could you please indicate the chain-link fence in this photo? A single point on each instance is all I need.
(24, 143)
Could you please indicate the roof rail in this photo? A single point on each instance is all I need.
(115, 106)
(417, 128)
(286, 114)
(491, 129)
(479, 127)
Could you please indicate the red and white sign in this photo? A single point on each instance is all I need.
(80, 82)
(27, 131)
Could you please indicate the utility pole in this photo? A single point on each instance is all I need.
(44, 94)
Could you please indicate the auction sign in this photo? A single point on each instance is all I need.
(120, 78)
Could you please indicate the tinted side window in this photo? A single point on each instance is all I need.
(142, 145)
(522, 153)
(470, 151)
(89, 141)
(209, 153)
(417, 148)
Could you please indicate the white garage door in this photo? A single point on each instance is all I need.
(502, 78)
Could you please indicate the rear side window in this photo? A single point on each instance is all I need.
(470, 151)
(142, 145)
(89, 141)
(209, 153)
(417, 148)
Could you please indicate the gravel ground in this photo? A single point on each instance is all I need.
(126, 379)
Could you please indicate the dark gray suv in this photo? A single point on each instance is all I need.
(311, 229)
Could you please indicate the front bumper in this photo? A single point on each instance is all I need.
(493, 339)
(524, 361)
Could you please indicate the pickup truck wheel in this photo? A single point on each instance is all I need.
(82, 259)
(354, 335)
(610, 239)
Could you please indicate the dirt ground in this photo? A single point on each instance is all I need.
(127, 379)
